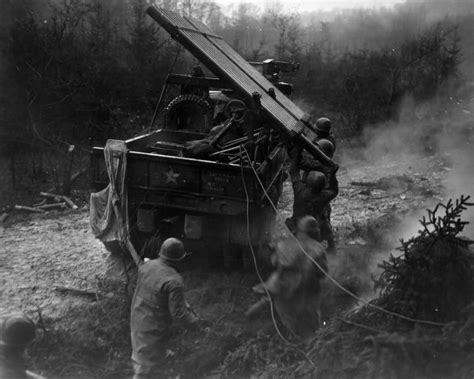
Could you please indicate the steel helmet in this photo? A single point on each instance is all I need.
(310, 226)
(323, 125)
(326, 147)
(17, 330)
(172, 250)
(316, 181)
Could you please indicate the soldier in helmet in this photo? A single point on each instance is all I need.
(294, 286)
(157, 302)
(315, 265)
(313, 193)
(16, 332)
(325, 141)
(309, 163)
(323, 131)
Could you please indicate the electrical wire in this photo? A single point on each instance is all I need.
(326, 274)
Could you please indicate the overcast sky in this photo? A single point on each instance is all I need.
(310, 5)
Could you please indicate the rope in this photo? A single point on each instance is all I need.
(272, 311)
(327, 275)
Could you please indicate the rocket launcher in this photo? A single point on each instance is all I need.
(287, 118)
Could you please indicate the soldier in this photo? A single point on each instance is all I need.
(294, 286)
(309, 163)
(312, 196)
(308, 234)
(323, 131)
(325, 141)
(16, 333)
(158, 300)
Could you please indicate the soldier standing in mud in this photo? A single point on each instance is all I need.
(294, 287)
(313, 191)
(158, 300)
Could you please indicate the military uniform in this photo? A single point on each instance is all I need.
(158, 300)
(16, 332)
(330, 137)
(294, 286)
(307, 202)
(12, 363)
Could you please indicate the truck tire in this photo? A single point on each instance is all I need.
(188, 112)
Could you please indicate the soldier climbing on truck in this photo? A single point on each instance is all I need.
(313, 191)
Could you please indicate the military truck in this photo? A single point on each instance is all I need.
(214, 171)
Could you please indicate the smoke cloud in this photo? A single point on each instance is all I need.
(432, 140)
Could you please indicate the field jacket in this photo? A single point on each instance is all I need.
(12, 363)
(306, 202)
(295, 285)
(157, 302)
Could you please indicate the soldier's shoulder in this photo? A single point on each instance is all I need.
(152, 264)
(174, 279)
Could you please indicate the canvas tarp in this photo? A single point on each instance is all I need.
(108, 208)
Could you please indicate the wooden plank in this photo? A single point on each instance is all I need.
(28, 209)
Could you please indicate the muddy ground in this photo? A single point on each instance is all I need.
(54, 270)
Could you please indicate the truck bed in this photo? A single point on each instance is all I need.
(158, 176)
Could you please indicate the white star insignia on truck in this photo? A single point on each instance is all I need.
(171, 176)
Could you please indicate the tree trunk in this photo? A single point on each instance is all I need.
(67, 172)
(12, 169)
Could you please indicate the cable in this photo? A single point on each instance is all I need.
(254, 256)
(334, 281)
(272, 311)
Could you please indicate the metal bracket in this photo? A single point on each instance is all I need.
(302, 124)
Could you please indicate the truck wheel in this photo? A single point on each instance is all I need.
(188, 112)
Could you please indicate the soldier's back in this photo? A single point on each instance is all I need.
(12, 363)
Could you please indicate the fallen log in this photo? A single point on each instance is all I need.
(76, 291)
(28, 209)
(55, 197)
(52, 206)
(59, 198)
(70, 202)
(42, 202)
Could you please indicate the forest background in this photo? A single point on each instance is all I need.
(76, 72)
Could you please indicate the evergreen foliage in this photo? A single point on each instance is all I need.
(433, 278)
